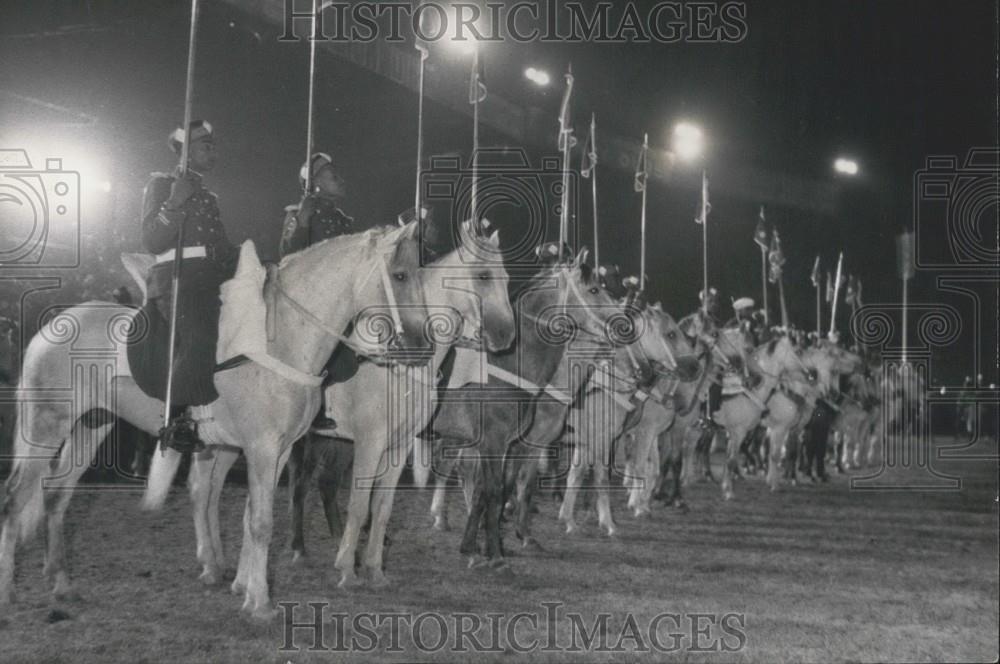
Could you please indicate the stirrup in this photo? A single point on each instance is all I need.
(181, 434)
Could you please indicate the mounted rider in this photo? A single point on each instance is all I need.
(318, 215)
(171, 201)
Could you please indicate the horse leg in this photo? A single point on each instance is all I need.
(368, 453)
(779, 438)
(469, 545)
(330, 479)
(526, 486)
(264, 464)
(239, 584)
(736, 435)
(602, 480)
(493, 481)
(574, 479)
(439, 509)
(381, 508)
(65, 474)
(298, 484)
(206, 479)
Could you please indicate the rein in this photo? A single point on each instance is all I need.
(367, 351)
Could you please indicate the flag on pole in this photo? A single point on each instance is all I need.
(775, 257)
(640, 167)
(565, 130)
(814, 277)
(706, 207)
(589, 158)
(760, 233)
(477, 83)
(853, 295)
(829, 287)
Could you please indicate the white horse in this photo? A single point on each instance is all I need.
(382, 408)
(314, 296)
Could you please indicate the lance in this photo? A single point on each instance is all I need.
(781, 296)
(904, 260)
(311, 103)
(819, 309)
(836, 293)
(642, 234)
(179, 247)
(565, 145)
(475, 137)
(420, 46)
(763, 281)
(593, 188)
(704, 241)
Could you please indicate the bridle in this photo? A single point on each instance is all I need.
(574, 289)
(370, 351)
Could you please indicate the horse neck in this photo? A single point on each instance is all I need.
(298, 341)
(769, 377)
(533, 358)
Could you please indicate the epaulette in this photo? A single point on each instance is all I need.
(294, 207)
(157, 175)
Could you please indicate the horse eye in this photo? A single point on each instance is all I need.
(594, 290)
(484, 276)
(671, 335)
(399, 276)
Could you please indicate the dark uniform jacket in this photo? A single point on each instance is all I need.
(202, 228)
(315, 219)
(198, 302)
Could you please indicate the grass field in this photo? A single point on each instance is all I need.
(814, 573)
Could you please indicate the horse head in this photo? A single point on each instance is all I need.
(678, 352)
(485, 279)
(397, 322)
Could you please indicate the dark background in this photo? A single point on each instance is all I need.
(888, 83)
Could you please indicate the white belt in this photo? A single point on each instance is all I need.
(188, 252)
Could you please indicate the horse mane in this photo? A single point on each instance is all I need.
(323, 246)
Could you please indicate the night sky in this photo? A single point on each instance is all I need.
(888, 83)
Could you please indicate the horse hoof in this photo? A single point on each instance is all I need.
(299, 559)
(210, 577)
(728, 495)
(612, 533)
(570, 528)
(643, 514)
(441, 524)
(237, 587)
(263, 614)
(66, 595)
(379, 579)
(531, 544)
(351, 580)
(501, 567)
(477, 562)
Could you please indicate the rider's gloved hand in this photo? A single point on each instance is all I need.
(181, 189)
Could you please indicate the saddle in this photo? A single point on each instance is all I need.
(242, 331)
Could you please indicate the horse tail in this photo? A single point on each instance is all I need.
(22, 504)
(162, 470)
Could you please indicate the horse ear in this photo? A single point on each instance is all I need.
(581, 257)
